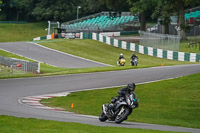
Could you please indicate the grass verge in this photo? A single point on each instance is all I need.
(22, 32)
(10, 124)
(97, 51)
(174, 102)
(185, 48)
(92, 50)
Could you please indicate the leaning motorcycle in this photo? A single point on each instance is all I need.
(121, 62)
(134, 62)
(122, 109)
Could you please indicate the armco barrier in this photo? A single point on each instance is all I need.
(167, 54)
(22, 64)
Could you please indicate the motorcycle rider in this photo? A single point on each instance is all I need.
(121, 56)
(123, 92)
(133, 57)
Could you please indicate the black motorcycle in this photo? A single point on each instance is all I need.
(119, 110)
(134, 62)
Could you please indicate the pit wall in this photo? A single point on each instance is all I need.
(167, 54)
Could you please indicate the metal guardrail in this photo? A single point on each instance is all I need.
(22, 65)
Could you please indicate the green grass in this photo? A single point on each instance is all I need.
(192, 49)
(22, 32)
(174, 102)
(9, 124)
(7, 72)
(11, 55)
(93, 50)
(44, 68)
(104, 53)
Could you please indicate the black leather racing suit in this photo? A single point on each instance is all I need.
(123, 92)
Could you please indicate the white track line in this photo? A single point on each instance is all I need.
(34, 101)
(69, 54)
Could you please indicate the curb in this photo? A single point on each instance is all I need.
(34, 101)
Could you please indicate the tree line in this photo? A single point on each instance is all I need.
(65, 10)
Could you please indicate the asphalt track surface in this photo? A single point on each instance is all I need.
(49, 56)
(11, 90)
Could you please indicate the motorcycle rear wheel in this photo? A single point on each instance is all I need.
(123, 116)
(102, 117)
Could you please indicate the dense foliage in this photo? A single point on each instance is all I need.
(55, 10)
(66, 10)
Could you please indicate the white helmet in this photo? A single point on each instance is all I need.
(121, 54)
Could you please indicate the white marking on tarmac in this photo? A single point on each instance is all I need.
(34, 101)
(69, 54)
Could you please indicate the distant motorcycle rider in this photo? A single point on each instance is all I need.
(133, 56)
(133, 59)
(121, 56)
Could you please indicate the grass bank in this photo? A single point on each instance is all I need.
(22, 32)
(92, 50)
(97, 51)
(10, 124)
(174, 102)
(185, 48)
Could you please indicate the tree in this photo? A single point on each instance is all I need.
(89, 7)
(181, 5)
(141, 7)
(166, 8)
(63, 10)
(115, 5)
(15, 9)
(163, 11)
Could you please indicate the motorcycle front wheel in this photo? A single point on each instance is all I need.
(102, 117)
(122, 115)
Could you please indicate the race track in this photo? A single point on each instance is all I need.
(49, 56)
(11, 90)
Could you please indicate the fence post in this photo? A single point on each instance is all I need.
(38, 69)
